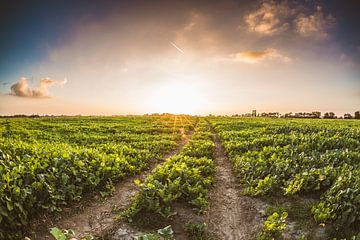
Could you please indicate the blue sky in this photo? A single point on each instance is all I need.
(30, 28)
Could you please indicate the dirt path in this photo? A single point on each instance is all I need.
(231, 215)
(96, 217)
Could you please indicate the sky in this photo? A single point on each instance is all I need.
(196, 57)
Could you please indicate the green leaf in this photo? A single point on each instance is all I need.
(57, 233)
(166, 231)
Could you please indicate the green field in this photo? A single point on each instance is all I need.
(316, 159)
(306, 172)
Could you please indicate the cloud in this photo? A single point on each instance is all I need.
(282, 16)
(270, 18)
(22, 89)
(315, 25)
(258, 56)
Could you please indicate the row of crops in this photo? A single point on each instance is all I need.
(47, 163)
(185, 178)
(290, 158)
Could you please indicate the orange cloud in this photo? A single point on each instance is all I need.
(258, 56)
(22, 89)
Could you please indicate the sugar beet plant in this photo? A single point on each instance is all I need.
(185, 177)
(47, 163)
(295, 157)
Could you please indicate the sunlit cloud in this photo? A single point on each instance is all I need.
(258, 56)
(22, 88)
(270, 18)
(278, 17)
(314, 25)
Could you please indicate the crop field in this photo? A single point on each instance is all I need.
(179, 177)
(47, 163)
(284, 160)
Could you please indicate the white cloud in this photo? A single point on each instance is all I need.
(22, 89)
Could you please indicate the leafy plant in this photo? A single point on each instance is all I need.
(62, 234)
(163, 233)
(196, 230)
(47, 163)
(273, 227)
(166, 232)
(181, 177)
(296, 157)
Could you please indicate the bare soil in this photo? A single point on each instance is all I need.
(184, 215)
(95, 216)
(231, 215)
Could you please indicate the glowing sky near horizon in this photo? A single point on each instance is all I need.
(197, 57)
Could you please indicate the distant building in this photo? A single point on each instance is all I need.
(253, 114)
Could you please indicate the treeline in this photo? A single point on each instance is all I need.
(327, 115)
(316, 115)
(31, 116)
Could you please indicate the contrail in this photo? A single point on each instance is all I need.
(175, 46)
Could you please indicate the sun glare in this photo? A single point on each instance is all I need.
(177, 98)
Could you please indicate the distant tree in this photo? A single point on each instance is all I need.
(347, 116)
(288, 115)
(329, 115)
(316, 114)
(357, 115)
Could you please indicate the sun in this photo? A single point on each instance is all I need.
(177, 98)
